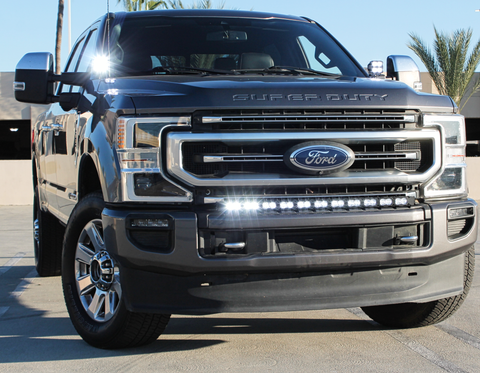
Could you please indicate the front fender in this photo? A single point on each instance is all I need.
(99, 149)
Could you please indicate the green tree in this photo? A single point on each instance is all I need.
(58, 38)
(204, 4)
(135, 5)
(450, 66)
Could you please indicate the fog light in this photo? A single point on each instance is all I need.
(143, 182)
(461, 212)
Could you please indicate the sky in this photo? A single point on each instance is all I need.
(370, 30)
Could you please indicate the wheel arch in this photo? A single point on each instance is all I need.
(88, 177)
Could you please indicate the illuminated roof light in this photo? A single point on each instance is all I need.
(307, 204)
(370, 202)
(301, 204)
(283, 205)
(354, 203)
(273, 205)
(402, 201)
(290, 205)
(386, 202)
(265, 205)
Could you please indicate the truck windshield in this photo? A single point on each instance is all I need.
(193, 45)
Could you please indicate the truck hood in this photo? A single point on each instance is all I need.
(184, 94)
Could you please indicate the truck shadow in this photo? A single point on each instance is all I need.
(40, 335)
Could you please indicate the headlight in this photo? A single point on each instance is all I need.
(138, 151)
(452, 181)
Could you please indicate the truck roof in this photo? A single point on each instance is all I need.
(211, 13)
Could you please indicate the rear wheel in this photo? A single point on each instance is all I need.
(92, 288)
(47, 240)
(411, 315)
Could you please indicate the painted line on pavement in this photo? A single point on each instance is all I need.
(3, 310)
(460, 334)
(11, 262)
(22, 286)
(412, 345)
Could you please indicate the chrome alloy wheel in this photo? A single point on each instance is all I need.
(96, 276)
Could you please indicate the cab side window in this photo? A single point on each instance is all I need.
(72, 63)
(87, 55)
(88, 52)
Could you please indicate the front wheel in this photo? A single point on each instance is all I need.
(92, 288)
(411, 315)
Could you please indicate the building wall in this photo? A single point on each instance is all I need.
(16, 187)
(15, 174)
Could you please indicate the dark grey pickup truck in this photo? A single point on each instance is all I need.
(198, 162)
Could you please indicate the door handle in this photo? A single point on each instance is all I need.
(56, 127)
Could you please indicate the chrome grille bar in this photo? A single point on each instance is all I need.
(279, 158)
(310, 118)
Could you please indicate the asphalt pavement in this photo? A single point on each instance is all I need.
(36, 333)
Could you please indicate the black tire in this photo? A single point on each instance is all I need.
(412, 315)
(90, 275)
(47, 240)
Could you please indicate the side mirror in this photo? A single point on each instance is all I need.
(34, 79)
(404, 69)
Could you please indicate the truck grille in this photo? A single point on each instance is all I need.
(247, 148)
(218, 159)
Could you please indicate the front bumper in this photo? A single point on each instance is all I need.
(184, 281)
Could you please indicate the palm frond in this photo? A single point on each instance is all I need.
(450, 66)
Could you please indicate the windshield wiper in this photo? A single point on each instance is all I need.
(287, 70)
(179, 70)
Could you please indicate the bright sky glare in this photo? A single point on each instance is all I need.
(369, 30)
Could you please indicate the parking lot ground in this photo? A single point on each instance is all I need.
(36, 333)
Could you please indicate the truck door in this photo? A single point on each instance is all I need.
(67, 131)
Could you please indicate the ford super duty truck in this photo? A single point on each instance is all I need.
(196, 162)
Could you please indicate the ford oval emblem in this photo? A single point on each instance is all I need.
(316, 157)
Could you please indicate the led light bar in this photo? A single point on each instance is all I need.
(318, 204)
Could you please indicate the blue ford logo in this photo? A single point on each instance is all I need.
(319, 157)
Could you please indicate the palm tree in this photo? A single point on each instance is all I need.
(135, 5)
(203, 4)
(450, 67)
(58, 39)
